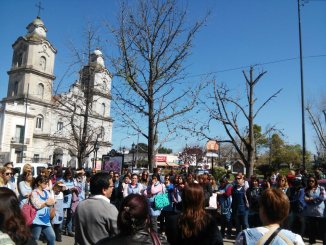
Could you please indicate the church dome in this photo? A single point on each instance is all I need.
(97, 52)
(36, 30)
(97, 58)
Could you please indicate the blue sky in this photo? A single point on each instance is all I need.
(238, 33)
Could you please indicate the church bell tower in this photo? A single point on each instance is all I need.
(32, 70)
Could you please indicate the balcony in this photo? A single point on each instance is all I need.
(20, 140)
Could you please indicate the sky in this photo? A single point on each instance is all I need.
(237, 34)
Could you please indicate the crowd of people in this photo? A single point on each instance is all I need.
(112, 208)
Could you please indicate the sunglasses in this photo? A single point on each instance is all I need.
(238, 178)
(117, 176)
(311, 180)
(7, 174)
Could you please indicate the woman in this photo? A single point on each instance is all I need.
(224, 200)
(153, 189)
(133, 223)
(144, 180)
(179, 185)
(314, 197)
(208, 191)
(240, 204)
(58, 217)
(253, 195)
(133, 187)
(6, 173)
(274, 207)
(70, 189)
(46, 173)
(25, 187)
(194, 225)
(41, 200)
(12, 221)
(283, 185)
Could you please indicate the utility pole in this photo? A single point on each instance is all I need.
(302, 94)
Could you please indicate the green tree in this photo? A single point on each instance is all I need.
(276, 146)
(163, 150)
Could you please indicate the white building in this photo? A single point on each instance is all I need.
(49, 120)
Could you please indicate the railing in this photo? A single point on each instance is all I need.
(20, 140)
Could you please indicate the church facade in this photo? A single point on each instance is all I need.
(38, 126)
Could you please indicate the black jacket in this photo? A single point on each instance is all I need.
(139, 238)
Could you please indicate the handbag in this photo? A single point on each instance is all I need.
(161, 200)
(29, 212)
(155, 238)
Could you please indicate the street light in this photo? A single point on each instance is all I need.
(302, 94)
(96, 148)
(123, 140)
(133, 157)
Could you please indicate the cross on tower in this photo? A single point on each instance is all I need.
(39, 6)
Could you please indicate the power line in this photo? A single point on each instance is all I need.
(259, 64)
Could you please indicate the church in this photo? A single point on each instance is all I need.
(39, 126)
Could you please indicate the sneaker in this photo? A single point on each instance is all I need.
(71, 234)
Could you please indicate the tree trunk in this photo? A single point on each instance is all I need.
(151, 138)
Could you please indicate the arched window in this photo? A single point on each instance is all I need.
(39, 122)
(103, 109)
(60, 126)
(19, 59)
(102, 133)
(40, 90)
(15, 89)
(104, 86)
(43, 63)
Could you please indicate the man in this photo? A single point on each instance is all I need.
(96, 217)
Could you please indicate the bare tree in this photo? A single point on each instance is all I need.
(243, 139)
(317, 117)
(154, 43)
(80, 129)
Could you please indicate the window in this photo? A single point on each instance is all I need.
(43, 63)
(39, 122)
(40, 90)
(15, 89)
(36, 158)
(103, 109)
(19, 59)
(60, 126)
(102, 133)
(104, 86)
(19, 135)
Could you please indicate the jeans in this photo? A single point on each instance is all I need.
(226, 223)
(47, 231)
(241, 221)
(69, 218)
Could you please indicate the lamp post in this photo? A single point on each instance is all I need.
(123, 140)
(123, 156)
(133, 157)
(96, 148)
(302, 93)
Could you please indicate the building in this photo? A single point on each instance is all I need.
(37, 126)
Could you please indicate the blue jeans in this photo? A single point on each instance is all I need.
(69, 219)
(47, 231)
(241, 221)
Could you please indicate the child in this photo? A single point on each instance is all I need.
(58, 218)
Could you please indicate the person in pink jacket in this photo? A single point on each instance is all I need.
(154, 188)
